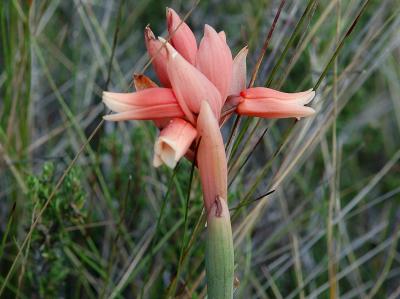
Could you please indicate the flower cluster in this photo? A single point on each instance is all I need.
(193, 76)
(201, 87)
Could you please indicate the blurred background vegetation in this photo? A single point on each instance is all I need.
(315, 203)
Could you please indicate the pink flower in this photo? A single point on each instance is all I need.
(182, 38)
(270, 103)
(202, 88)
(147, 104)
(191, 86)
(214, 59)
(211, 158)
(173, 142)
(158, 55)
(142, 82)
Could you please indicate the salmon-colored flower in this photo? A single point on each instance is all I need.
(270, 103)
(158, 54)
(147, 104)
(201, 88)
(211, 158)
(182, 37)
(173, 142)
(191, 86)
(191, 77)
(214, 60)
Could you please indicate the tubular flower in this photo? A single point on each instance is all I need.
(182, 37)
(142, 82)
(201, 87)
(214, 59)
(270, 103)
(173, 142)
(158, 54)
(191, 86)
(191, 76)
(147, 104)
(211, 158)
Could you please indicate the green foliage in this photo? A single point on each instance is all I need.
(48, 263)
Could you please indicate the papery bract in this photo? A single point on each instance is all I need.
(143, 82)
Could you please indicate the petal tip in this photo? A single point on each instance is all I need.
(157, 162)
(107, 117)
(208, 28)
(311, 111)
(148, 33)
(170, 13)
(106, 96)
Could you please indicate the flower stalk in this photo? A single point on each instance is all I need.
(219, 252)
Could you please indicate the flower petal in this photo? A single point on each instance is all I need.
(145, 97)
(116, 106)
(173, 142)
(147, 113)
(262, 92)
(238, 82)
(222, 36)
(190, 86)
(143, 82)
(157, 162)
(150, 103)
(214, 59)
(182, 38)
(273, 108)
(158, 54)
(211, 158)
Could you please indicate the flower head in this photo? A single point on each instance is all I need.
(197, 80)
(201, 88)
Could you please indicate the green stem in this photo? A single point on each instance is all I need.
(219, 252)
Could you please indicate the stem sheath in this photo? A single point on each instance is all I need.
(219, 252)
